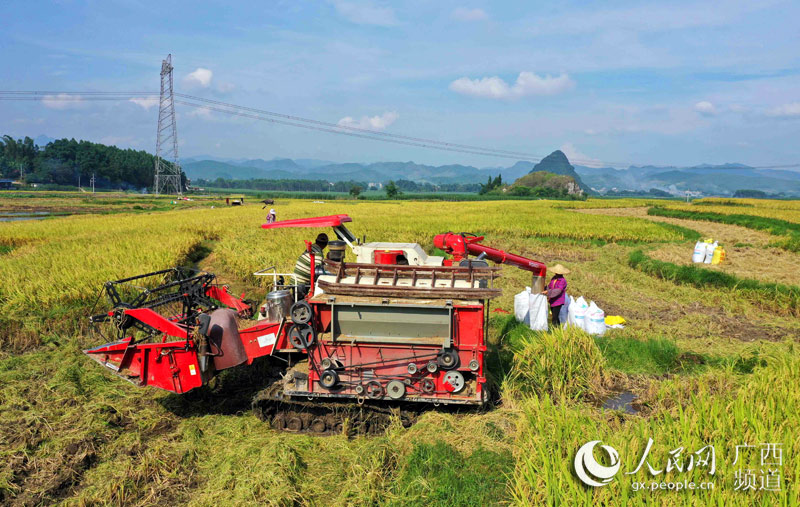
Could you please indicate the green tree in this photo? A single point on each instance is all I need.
(391, 190)
(355, 191)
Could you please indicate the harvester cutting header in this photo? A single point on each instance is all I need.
(396, 329)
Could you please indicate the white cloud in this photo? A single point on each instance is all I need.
(705, 108)
(199, 112)
(577, 157)
(464, 14)
(370, 122)
(145, 102)
(527, 84)
(365, 13)
(61, 101)
(791, 110)
(201, 77)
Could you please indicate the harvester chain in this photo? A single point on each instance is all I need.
(325, 417)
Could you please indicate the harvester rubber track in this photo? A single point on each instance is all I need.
(318, 417)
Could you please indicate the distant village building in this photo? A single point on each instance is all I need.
(6, 184)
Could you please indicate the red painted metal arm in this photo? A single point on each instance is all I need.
(460, 246)
(223, 296)
(154, 320)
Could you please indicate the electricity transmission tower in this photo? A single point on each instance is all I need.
(168, 172)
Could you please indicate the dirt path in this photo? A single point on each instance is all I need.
(756, 260)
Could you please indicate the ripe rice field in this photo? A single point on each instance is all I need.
(708, 364)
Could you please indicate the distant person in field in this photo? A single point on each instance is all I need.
(302, 269)
(271, 217)
(556, 291)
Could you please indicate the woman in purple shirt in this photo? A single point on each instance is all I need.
(556, 290)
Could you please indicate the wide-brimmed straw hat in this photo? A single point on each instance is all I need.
(559, 270)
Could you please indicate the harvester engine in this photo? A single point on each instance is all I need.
(364, 344)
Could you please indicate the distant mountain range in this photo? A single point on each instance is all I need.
(707, 179)
(703, 179)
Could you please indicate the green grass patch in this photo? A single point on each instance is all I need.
(4, 249)
(740, 364)
(774, 226)
(437, 474)
(743, 245)
(654, 356)
(723, 202)
(775, 295)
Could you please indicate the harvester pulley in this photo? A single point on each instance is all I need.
(329, 379)
(301, 312)
(302, 336)
(455, 380)
(395, 389)
(374, 390)
(447, 359)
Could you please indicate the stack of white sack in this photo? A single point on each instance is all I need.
(704, 251)
(531, 309)
(587, 316)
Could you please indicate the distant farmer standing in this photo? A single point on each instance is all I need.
(302, 269)
(556, 291)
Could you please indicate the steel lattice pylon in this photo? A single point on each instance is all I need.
(168, 171)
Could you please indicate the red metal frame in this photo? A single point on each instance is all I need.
(222, 295)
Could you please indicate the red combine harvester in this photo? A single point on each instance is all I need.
(394, 330)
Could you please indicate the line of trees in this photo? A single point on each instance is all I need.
(413, 186)
(491, 184)
(67, 161)
(289, 185)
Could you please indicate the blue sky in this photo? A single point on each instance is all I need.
(622, 82)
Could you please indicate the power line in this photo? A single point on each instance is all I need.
(357, 129)
(312, 124)
(334, 131)
(428, 143)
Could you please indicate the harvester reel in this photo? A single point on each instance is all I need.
(301, 312)
(302, 336)
(412, 368)
(396, 389)
(456, 380)
(329, 379)
(428, 386)
(447, 359)
(432, 366)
